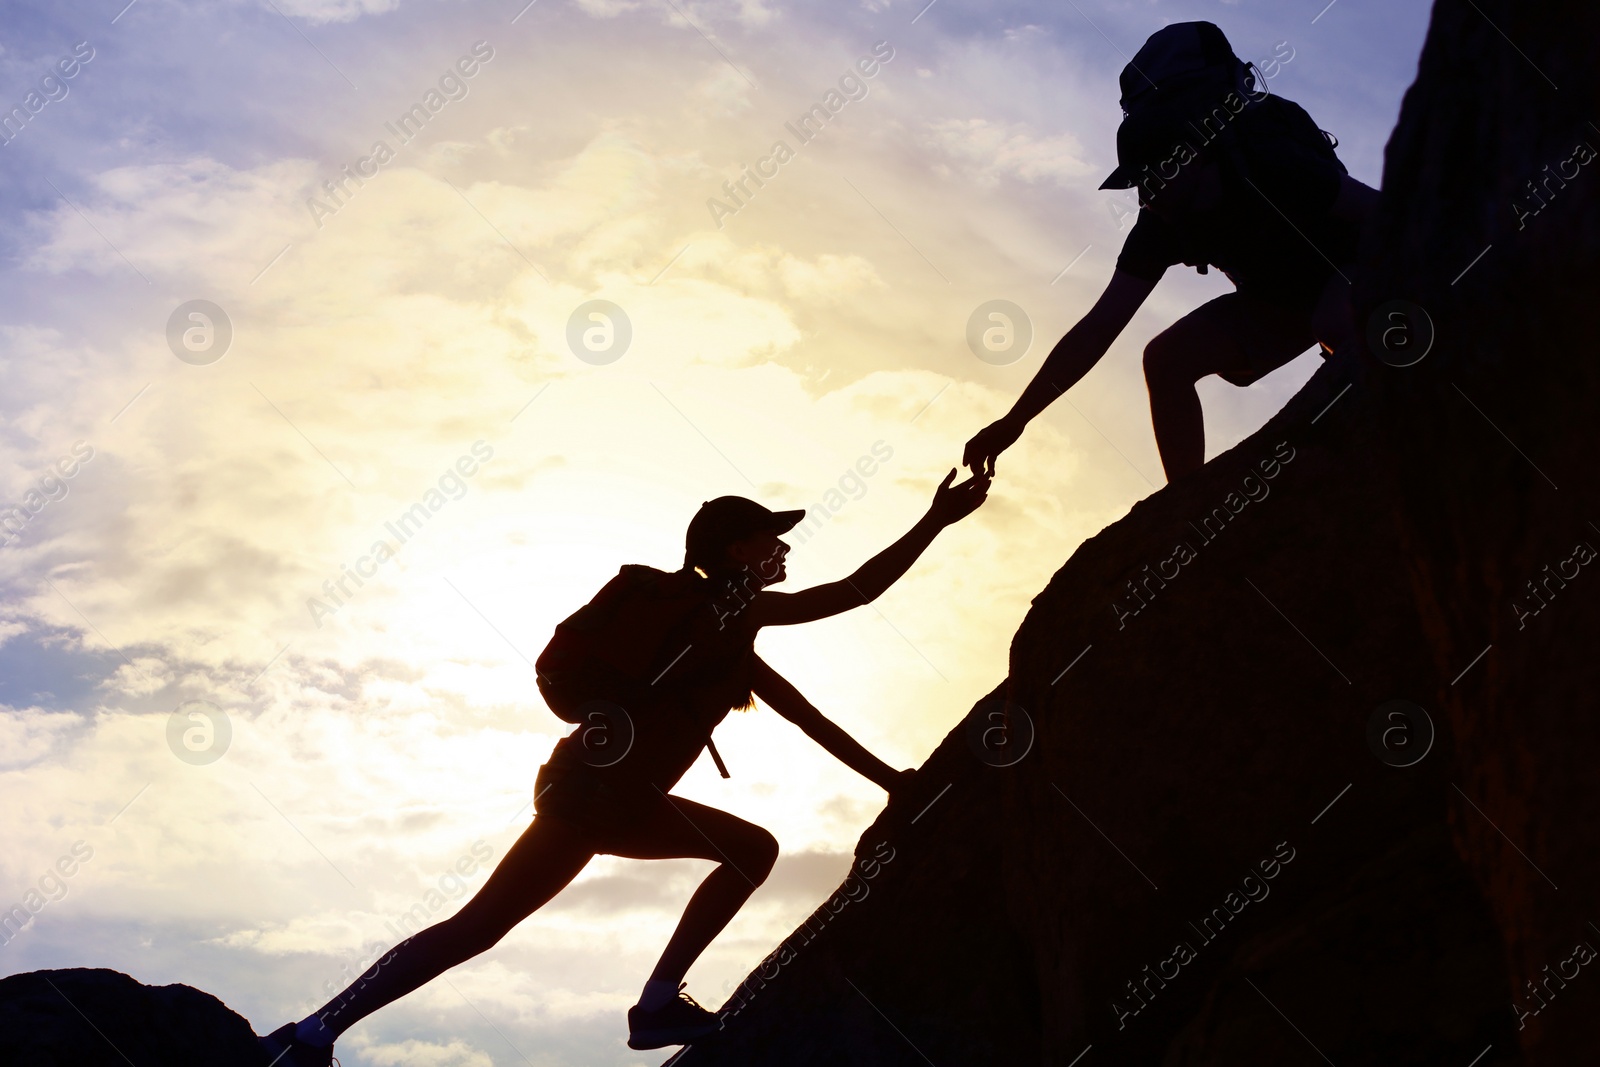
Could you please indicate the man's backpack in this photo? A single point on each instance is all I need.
(644, 641)
(1188, 69)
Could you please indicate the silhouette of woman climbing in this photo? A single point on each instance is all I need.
(648, 669)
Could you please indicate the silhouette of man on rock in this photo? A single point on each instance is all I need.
(1228, 176)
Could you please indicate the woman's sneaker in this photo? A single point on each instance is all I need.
(283, 1049)
(677, 1022)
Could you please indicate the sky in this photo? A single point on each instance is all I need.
(252, 774)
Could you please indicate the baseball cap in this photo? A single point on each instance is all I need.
(1146, 138)
(721, 522)
(1180, 72)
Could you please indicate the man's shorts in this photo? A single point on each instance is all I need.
(1259, 335)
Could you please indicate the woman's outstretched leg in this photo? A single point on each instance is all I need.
(547, 857)
(543, 861)
(746, 853)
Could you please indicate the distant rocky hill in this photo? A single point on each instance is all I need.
(92, 1017)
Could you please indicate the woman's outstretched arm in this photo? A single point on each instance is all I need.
(788, 701)
(951, 503)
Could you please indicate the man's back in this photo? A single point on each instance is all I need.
(1271, 229)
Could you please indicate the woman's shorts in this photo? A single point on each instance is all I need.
(608, 812)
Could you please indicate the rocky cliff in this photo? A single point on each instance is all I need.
(1295, 763)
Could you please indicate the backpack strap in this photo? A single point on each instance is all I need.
(711, 747)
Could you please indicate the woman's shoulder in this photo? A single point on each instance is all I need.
(667, 584)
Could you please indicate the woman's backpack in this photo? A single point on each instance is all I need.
(645, 641)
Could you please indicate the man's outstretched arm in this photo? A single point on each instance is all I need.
(787, 701)
(1073, 357)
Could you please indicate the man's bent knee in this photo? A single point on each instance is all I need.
(1155, 357)
(1165, 359)
(1333, 319)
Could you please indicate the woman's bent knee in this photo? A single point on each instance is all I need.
(757, 855)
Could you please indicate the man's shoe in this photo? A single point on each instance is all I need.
(283, 1049)
(677, 1022)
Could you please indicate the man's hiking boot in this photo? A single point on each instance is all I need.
(677, 1022)
(283, 1049)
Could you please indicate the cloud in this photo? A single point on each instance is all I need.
(830, 278)
(612, 178)
(426, 1054)
(988, 151)
(324, 11)
(29, 735)
(608, 9)
(724, 91)
(756, 13)
(174, 219)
